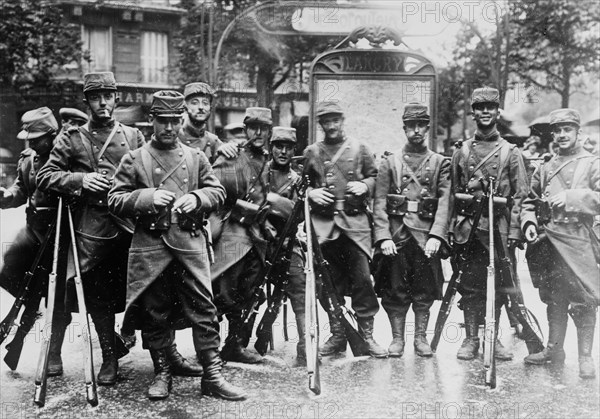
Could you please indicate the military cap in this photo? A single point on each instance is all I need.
(329, 107)
(99, 81)
(72, 113)
(281, 134)
(485, 95)
(198, 88)
(565, 116)
(37, 123)
(415, 112)
(167, 103)
(262, 115)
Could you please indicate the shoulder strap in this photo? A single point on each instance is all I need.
(480, 163)
(504, 157)
(171, 171)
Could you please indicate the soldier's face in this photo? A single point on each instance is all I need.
(282, 152)
(41, 145)
(485, 114)
(258, 134)
(332, 125)
(166, 129)
(565, 135)
(102, 103)
(416, 131)
(198, 108)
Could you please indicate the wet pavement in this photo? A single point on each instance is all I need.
(407, 387)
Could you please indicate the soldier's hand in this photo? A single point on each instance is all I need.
(388, 248)
(432, 246)
(558, 200)
(187, 203)
(95, 182)
(162, 198)
(357, 188)
(321, 196)
(531, 233)
(514, 243)
(229, 150)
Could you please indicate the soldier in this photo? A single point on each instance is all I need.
(241, 245)
(39, 130)
(71, 117)
(342, 176)
(80, 167)
(563, 251)
(198, 102)
(281, 201)
(169, 187)
(484, 156)
(411, 209)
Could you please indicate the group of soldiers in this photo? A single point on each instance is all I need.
(175, 231)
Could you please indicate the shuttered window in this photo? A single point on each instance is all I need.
(97, 41)
(155, 57)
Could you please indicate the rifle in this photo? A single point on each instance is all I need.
(41, 375)
(32, 295)
(311, 331)
(531, 334)
(453, 284)
(489, 361)
(330, 302)
(277, 265)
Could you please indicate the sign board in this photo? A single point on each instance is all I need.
(373, 86)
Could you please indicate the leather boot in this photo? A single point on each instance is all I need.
(470, 345)
(366, 326)
(553, 352)
(585, 320)
(60, 322)
(233, 350)
(160, 387)
(181, 366)
(500, 352)
(421, 345)
(398, 323)
(213, 382)
(301, 345)
(105, 327)
(337, 342)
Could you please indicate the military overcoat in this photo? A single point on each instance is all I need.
(206, 141)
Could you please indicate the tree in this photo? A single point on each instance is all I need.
(35, 44)
(553, 42)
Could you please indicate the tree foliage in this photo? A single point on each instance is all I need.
(35, 43)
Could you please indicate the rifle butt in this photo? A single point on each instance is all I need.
(91, 394)
(314, 382)
(13, 353)
(490, 375)
(39, 397)
(358, 345)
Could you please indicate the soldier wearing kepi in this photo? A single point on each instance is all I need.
(240, 249)
(411, 210)
(281, 199)
(484, 156)
(199, 98)
(342, 174)
(39, 130)
(80, 167)
(169, 187)
(563, 251)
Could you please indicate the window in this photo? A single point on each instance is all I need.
(155, 58)
(98, 42)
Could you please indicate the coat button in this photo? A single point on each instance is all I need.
(185, 180)
(94, 132)
(104, 172)
(180, 154)
(327, 162)
(183, 167)
(101, 159)
(157, 170)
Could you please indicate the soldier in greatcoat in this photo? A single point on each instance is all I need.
(199, 98)
(411, 211)
(563, 250)
(169, 187)
(39, 130)
(80, 168)
(342, 174)
(484, 156)
(238, 229)
(71, 117)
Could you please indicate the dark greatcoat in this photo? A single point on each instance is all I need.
(240, 176)
(434, 177)
(74, 155)
(206, 141)
(356, 163)
(580, 180)
(139, 175)
(41, 213)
